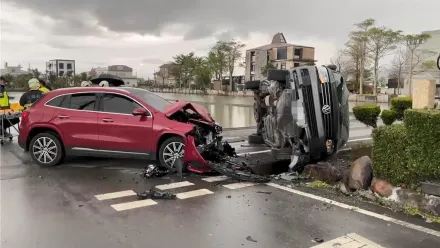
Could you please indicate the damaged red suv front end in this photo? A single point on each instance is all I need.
(205, 136)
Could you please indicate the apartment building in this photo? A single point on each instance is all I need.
(13, 70)
(164, 76)
(430, 50)
(60, 67)
(279, 53)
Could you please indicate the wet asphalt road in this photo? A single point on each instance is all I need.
(58, 207)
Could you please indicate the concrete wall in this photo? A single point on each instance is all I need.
(424, 94)
(308, 53)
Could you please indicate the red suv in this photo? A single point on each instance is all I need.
(116, 122)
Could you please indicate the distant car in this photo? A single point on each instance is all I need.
(117, 122)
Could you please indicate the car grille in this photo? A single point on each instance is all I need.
(309, 103)
(326, 99)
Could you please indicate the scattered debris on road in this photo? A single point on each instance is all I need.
(264, 192)
(318, 240)
(153, 171)
(249, 238)
(154, 194)
(222, 160)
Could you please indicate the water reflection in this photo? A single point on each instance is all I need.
(229, 111)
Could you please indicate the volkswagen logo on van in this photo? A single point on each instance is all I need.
(326, 109)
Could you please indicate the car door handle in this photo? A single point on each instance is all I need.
(107, 120)
(63, 117)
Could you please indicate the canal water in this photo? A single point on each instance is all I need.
(229, 111)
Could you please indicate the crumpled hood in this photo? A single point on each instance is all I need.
(182, 105)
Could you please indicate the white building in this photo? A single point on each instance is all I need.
(431, 50)
(13, 70)
(122, 71)
(61, 67)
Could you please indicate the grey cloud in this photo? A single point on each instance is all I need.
(325, 19)
(154, 61)
(198, 32)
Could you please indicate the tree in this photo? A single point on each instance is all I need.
(266, 68)
(343, 62)
(83, 76)
(381, 41)
(359, 39)
(412, 42)
(233, 54)
(184, 69)
(36, 73)
(216, 60)
(398, 66)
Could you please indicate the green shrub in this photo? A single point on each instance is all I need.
(399, 105)
(367, 114)
(390, 156)
(388, 116)
(423, 128)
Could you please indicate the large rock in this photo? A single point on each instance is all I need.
(324, 172)
(360, 174)
(381, 187)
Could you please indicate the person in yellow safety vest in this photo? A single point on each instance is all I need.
(43, 86)
(4, 104)
(4, 98)
(33, 95)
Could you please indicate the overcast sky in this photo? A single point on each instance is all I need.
(143, 34)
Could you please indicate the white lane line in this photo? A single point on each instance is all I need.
(250, 153)
(115, 195)
(359, 210)
(239, 185)
(264, 151)
(215, 179)
(174, 185)
(194, 193)
(363, 139)
(133, 204)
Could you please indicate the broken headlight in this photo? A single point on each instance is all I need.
(217, 128)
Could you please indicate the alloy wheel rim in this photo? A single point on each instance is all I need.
(45, 150)
(172, 152)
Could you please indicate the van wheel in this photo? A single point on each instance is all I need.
(46, 150)
(170, 150)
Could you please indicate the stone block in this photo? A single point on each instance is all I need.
(423, 94)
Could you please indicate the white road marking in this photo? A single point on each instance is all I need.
(250, 153)
(355, 140)
(174, 185)
(194, 193)
(133, 204)
(239, 185)
(363, 240)
(215, 179)
(115, 195)
(351, 240)
(359, 210)
(264, 151)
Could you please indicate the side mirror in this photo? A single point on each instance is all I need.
(140, 112)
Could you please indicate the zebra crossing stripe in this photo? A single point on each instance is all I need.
(194, 193)
(133, 204)
(215, 179)
(115, 195)
(239, 185)
(174, 185)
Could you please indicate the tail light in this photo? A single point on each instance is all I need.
(24, 115)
